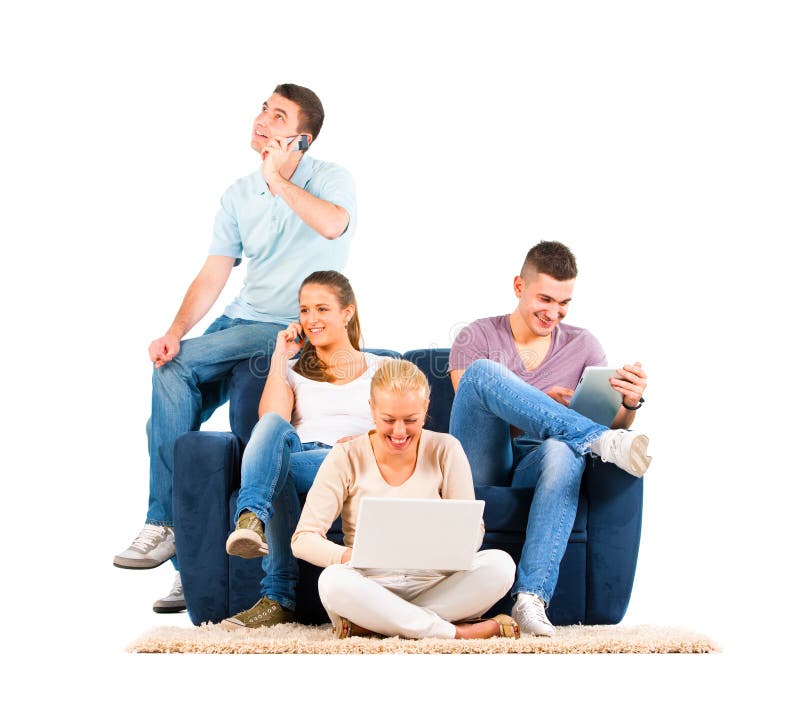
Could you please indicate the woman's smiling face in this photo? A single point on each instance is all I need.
(323, 319)
(399, 417)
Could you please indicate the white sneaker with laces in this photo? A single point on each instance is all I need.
(153, 546)
(529, 613)
(174, 601)
(626, 449)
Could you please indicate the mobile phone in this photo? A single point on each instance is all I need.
(299, 143)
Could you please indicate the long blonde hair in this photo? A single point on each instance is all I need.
(396, 375)
(309, 364)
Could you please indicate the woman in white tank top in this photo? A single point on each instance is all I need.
(307, 406)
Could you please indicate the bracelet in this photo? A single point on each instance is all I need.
(633, 408)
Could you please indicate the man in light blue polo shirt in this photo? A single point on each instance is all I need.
(293, 216)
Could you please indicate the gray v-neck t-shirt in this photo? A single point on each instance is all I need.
(571, 350)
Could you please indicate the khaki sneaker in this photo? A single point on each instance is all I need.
(248, 539)
(266, 612)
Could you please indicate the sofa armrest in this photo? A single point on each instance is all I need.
(614, 527)
(207, 465)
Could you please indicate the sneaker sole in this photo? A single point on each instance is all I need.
(539, 630)
(640, 460)
(169, 608)
(126, 563)
(230, 625)
(233, 624)
(245, 543)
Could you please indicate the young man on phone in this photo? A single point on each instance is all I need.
(514, 376)
(292, 216)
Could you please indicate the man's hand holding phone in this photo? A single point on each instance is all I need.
(277, 152)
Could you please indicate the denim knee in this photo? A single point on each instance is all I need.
(268, 425)
(473, 382)
(479, 368)
(172, 376)
(560, 462)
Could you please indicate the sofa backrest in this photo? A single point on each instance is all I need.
(433, 362)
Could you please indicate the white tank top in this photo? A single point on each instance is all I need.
(325, 412)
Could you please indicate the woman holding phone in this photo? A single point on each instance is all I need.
(307, 405)
(402, 460)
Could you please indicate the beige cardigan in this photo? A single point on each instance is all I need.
(350, 472)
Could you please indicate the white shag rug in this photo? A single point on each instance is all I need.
(294, 638)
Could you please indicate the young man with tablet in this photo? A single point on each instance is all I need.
(514, 377)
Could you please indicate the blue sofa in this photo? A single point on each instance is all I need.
(596, 575)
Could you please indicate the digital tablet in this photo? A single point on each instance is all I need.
(594, 397)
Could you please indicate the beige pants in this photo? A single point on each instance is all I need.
(418, 604)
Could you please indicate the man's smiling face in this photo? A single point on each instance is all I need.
(543, 301)
(279, 118)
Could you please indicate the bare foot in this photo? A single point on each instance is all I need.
(471, 631)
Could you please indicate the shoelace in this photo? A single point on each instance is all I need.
(533, 609)
(612, 449)
(147, 538)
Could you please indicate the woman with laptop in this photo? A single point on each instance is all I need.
(398, 459)
(306, 407)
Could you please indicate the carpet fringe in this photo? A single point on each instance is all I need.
(294, 638)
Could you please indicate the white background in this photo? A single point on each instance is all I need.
(658, 140)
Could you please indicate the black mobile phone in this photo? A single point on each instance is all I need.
(300, 143)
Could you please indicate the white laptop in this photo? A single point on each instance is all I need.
(417, 534)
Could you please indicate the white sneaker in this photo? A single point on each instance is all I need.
(528, 612)
(626, 449)
(153, 546)
(172, 602)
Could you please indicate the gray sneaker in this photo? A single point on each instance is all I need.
(626, 449)
(153, 546)
(529, 613)
(265, 612)
(172, 602)
(248, 539)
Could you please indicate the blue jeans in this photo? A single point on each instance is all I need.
(188, 389)
(276, 467)
(549, 457)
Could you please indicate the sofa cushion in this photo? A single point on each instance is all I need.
(507, 509)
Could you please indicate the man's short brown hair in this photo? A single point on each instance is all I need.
(551, 258)
(311, 113)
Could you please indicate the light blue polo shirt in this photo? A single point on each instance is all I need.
(281, 249)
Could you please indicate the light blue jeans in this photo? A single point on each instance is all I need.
(549, 457)
(188, 389)
(276, 467)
